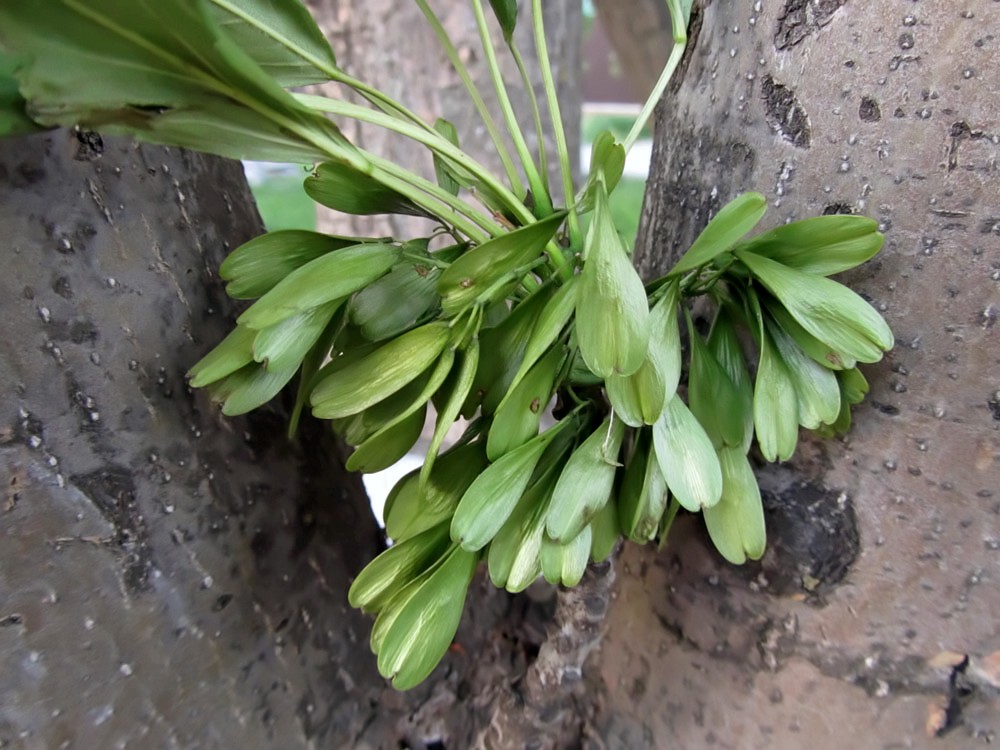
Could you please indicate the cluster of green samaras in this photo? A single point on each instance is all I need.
(583, 423)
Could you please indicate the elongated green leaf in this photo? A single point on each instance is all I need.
(446, 176)
(775, 404)
(232, 353)
(736, 522)
(612, 313)
(642, 499)
(822, 245)
(733, 221)
(164, 71)
(348, 190)
(387, 574)
(713, 396)
(492, 497)
(687, 459)
(476, 272)
(247, 388)
(520, 413)
(285, 344)
(255, 267)
(281, 36)
(607, 164)
(829, 311)
(566, 563)
(380, 374)
(506, 13)
(553, 319)
(816, 389)
(333, 276)
(585, 483)
(423, 630)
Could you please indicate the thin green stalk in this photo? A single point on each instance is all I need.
(575, 233)
(543, 160)
(543, 201)
(477, 100)
(680, 44)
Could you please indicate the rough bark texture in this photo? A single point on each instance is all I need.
(387, 43)
(873, 617)
(640, 32)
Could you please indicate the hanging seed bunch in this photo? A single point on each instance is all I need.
(587, 421)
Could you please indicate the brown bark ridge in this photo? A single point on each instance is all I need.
(872, 620)
(388, 44)
(641, 35)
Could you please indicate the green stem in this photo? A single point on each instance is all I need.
(543, 202)
(575, 233)
(536, 113)
(680, 44)
(477, 100)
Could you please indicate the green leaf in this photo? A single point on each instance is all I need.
(829, 311)
(816, 389)
(380, 374)
(566, 563)
(506, 13)
(443, 170)
(736, 522)
(733, 221)
(163, 71)
(520, 413)
(687, 458)
(285, 344)
(423, 630)
(281, 36)
(255, 267)
(713, 396)
(612, 312)
(348, 190)
(387, 574)
(333, 276)
(492, 497)
(607, 164)
(232, 353)
(479, 270)
(822, 245)
(14, 119)
(586, 481)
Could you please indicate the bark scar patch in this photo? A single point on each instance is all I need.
(785, 114)
(801, 18)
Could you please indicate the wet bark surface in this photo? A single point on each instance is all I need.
(872, 619)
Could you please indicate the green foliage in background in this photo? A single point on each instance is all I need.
(507, 313)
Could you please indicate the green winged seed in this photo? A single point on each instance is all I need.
(255, 267)
(348, 190)
(389, 445)
(713, 397)
(333, 276)
(550, 324)
(822, 245)
(247, 388)
(724, 344)
(604, 532)
(775, 404)
(513, 558)
(566, 563)
(387, 574)
(491, 498)
(586, 481)
(733, 221)
(392, 304)
(232, 353)
(607, 164)
(736, 523)
(285, 344)
(612, 312)
(479, 270)
(687, 457)
(426, 625)
(854, 385)
(357, 428)
(829, 311)
(812, 346)
(363, 383)
(449, 413)
(642, 499)
(816, 389)
(520, 413)
(410, 509)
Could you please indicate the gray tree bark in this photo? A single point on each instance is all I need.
(872, 620)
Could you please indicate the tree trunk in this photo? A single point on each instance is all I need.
(872, 620)
(388, 43)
